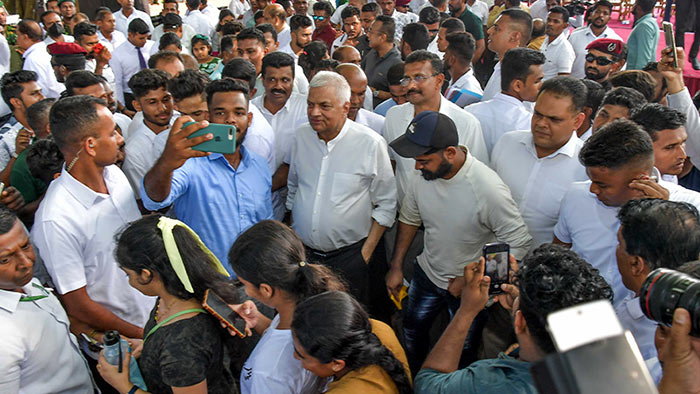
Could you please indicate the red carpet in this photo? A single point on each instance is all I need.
(691, 77)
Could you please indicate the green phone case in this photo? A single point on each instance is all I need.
(224, 140)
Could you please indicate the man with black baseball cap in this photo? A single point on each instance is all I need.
(463, 205)
(173, 23)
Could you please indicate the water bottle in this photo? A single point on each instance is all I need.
(112, 343)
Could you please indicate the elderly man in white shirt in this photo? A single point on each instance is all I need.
(423, 77)
(463, 205)
(130, 58)
(464, 89)
(341, 203)
(127, 14)
(540, 165)
(79, 216)
(596, 28)
(556, 48)
(40, 355)
(284, 111)
(521, 78)
(37, 58)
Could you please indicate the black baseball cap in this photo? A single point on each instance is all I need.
(428, 131)
(171, 21)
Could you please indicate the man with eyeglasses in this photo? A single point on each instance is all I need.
(322, 20)
(597, 28)
(605, 56)
(423, 76)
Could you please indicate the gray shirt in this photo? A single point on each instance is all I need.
(376, 69)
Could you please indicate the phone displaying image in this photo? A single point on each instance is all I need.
(224, 140)
(581, 324)
(670, 41)
(497, 267)
(220, 309)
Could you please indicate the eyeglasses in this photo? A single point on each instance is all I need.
(405, 81)
(601, 60)
(319, 18)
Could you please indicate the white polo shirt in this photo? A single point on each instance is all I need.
(143, 149)
(39, 353)
(465, 90)
(400, 116)
(461, 215)
(560, 56)
(74, 231)
(501, 114)
(537, 184)
(579, 40)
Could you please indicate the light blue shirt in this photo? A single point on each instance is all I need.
(217, 201)
(216, 74)
(642, 42)
(384, 106)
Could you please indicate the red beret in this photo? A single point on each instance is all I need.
(610, 46)
(66, 48)
(402, 3)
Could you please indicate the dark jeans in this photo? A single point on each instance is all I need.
(348, 263)
(688, 19)
(425, 302)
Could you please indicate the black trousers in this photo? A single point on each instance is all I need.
(688, 19)
(348, 263)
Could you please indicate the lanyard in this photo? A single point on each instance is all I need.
(36, 297)
(154, 329)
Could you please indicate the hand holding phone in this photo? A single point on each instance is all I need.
(497, 258)
(475, 292)
(223, 141)
(220, 309)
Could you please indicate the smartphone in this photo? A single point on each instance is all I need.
(220, 309)
(497, 267)
(670, 41)
(2, 187)
(224, 140)
(581, 324)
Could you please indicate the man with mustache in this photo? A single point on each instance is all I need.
(217, 195)
(605, 56)
(666, 127)
(147, 138)
(556, 48)
(463, 205)
(597, 28)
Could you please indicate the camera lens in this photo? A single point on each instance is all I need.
(666, 290)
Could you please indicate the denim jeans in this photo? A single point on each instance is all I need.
(425, 302)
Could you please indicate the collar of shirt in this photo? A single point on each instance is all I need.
(242, 165)
(510, 100)
(86, 196)
(463, 78)
(645, 17)
(633, 307)
(35, 47)
(9, 300)
(557, 41)
(568, 149)
(332, 143)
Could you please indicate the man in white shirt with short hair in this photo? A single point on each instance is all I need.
(37, 58)
(109, 36)
(130, 58)
(596, 28)
(521, 74)
(357, 80)
(200, 23)
(127, 14)
(341, 202)
(556, 48)
(79, 216)
(539, 165)
(423, 76)
(464, 89)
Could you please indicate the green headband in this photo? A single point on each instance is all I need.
(166, 225)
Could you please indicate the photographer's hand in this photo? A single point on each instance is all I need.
(681, 361)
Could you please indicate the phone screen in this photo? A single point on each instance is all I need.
(220, 309)
(497, 267)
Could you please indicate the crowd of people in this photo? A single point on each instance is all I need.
(373, 150)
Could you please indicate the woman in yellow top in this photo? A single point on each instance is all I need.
(334, 337)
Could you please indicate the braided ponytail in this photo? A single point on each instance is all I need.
(333, 326)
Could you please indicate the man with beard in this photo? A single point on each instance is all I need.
(597, 28)
(352, 32)
(97, 61)
(605, 56)
(217, 195)
(666, 127)
(357, 80)
(147, 137)
(66, 57)
(464, 89)
(301, 29)
(463, 205)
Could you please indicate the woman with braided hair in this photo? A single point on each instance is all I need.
(334, 337)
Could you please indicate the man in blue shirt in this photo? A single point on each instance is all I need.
(551, 278)
(218, 195)
(644, 38)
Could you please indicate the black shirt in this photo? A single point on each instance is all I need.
(376, 69)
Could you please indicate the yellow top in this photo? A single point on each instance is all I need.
(496, 11)
(536, 43)
(372, 378)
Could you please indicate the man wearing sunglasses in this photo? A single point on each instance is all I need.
(322, 21)
(605, 56)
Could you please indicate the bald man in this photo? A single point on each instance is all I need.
(347, 54)
(37, 58)
(358, 92)
(275, 15)
(538, 28)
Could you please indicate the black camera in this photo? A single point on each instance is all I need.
(666, 290)
(157, 20)
(577, 7)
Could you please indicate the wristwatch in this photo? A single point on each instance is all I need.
(14, 155)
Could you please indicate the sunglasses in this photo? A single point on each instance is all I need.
(319, 18)
(601, 60)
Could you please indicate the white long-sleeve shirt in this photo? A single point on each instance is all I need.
(125, 63)
(37, 59)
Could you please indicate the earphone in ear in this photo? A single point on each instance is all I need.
(91, 145)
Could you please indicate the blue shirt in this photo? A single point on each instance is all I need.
(493, 376)
(384, 106)
(642, 42)
(217, 201)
